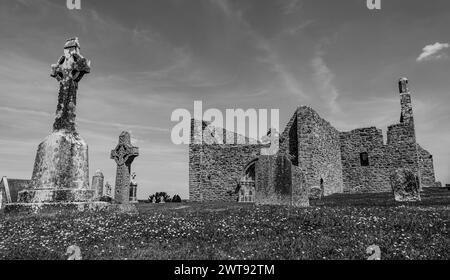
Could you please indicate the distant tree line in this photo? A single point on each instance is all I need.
(164, 197)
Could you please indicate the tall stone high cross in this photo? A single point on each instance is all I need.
(61, 168)
(124, 155)
(69, 71)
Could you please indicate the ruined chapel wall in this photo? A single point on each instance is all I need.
(216, 169)
(300, 191)
(319, 151)
(426, 166)
(289, 140)
(364, 179)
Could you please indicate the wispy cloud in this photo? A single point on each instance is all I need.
(288, 79)
(324, 78)
(224, 5)
(125, 126)
(23, 112)
(298, 28)
(291, 6)
(434, 52)
(270, 56)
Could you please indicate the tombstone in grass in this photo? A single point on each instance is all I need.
(161, 199)
(315, 193)
(124, 155)
(108, 189)
(5, 194)
(278, 182)
(97, 184)
(133, 189)
(1, 200)
(405, 185)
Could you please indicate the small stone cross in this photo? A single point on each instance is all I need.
(124, 155)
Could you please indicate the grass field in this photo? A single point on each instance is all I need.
(338, 227)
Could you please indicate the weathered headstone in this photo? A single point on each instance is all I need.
(316, 192)
(2, 199)
(108, 189)
(405, 185)
(61, 169)
(97, 184)
(4, 190)
(133, 189)
(12, 188)
(278, 182)
(124, 155)
(246, 191)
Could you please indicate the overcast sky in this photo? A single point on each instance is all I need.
(151, 57)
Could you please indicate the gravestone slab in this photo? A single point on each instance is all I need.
(278, 182)
(405, 185)
(5, 192)
(12, 188)
(316, 192)
(108, 189)
(97, 184)
(133, 189)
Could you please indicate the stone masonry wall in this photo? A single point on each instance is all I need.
(363, 179)
(426, 166)
(400, 151)
(318, 150)
(216, 169)
(300, 190)
(289, 139)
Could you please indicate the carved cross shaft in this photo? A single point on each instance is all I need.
(72, 66)
(124, 155)
(124, 151)
(69, 70)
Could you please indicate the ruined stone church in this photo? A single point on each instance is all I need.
(358, 161)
